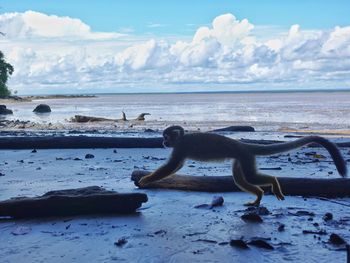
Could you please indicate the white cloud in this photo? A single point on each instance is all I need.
(50, 51)
(32, 24)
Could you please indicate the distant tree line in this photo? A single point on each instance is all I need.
(6, 70)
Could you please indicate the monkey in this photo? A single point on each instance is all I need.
(215, 147)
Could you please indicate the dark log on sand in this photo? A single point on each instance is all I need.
(72, 202)
(77, 142)
(339, 187)
(236, 129)
(82, 118)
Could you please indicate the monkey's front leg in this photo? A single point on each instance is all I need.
(163, 171)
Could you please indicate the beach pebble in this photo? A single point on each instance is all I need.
(336, 239)
(120, 242)
(328, 216)
(238, 243)
(89, 156)
(21, 230)
(252, 217)
(261, 243)
(4, 110)
(281, 227)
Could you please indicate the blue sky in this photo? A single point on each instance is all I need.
(175, 17)
(129, 46)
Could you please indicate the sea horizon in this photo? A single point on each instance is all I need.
(315, 90)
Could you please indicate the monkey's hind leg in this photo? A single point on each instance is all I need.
(252, 176)
(241, 182)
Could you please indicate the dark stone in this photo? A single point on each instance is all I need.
(261, 243)
(238, 243)
(252, 217)
(121, 242)
(42, 108)
(336, 239)
(89, 156)
(281, 227)
(4, 110)
(328, 216)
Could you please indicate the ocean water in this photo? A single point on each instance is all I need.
(319, 110)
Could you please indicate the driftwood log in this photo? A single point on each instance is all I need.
(83, 118)
(72, 202)
(236, 129)
(339, 187)
(79, 142)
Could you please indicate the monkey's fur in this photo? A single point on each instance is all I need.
(211, 147)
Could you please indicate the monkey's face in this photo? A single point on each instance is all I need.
(172, 135)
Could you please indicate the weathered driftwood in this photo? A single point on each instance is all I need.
(83, 118)
(77, 142)
(339, 187)
(71, 202)
(236, 129)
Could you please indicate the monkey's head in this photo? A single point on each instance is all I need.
(172, 135)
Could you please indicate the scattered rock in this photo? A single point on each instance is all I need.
(261, 243)
(77, 159)
(328, 216)
(336, 239)
(321, 232)
(206, 241)
(141, 117)
(238, 243)
(34, 151)
(121, 242)
(4, 110)
(217, 201)
(89, 156)
(252, 217)
(281, 227)
(1, 174)
(160, 232)
(42, 108)
(21, 230)
(302, 213)
(260, 210)
(114, 151)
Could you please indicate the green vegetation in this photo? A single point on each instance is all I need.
(6, 69)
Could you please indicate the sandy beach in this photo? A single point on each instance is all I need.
(167, 228)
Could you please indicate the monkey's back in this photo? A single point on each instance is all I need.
(209, 147)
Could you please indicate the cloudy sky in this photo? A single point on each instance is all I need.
(161, 46)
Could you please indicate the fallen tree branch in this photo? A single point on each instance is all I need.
(71, 202)
(339, 187)
(79, 142)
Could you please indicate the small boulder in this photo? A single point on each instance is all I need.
(4, 110)
(42, 108)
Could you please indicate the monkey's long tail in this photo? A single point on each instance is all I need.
(287, 146)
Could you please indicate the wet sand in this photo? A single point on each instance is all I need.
(167, 228)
